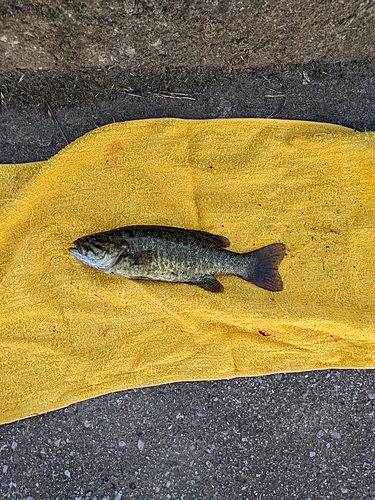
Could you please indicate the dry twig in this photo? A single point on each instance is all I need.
(277, 93)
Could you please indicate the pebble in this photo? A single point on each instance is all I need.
(371, 395)
(344, 490)
(67, 473)
(14, 445)
(121, 444)
(312, 453)
(336, 435)
(320, 433)
(152, 473)
(141, 445)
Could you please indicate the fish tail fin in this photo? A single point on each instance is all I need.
(262, 267)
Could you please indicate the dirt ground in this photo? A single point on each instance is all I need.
(72, 50)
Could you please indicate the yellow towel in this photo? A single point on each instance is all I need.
(69, 332)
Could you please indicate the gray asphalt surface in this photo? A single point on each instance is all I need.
(307, 436)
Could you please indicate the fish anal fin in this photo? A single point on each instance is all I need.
(209, 283)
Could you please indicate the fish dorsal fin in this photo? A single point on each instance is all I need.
(214, 239)
(209, 283)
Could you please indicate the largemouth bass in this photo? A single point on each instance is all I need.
(178, 255)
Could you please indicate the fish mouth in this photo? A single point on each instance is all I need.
(78, 250)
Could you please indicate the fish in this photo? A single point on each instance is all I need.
(178, 255)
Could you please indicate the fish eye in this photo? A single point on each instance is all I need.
(91, 239)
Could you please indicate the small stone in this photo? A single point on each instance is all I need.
(336, 435)
(118, 495)
(371, 395)
(121, 444)
(14, 445)
(173, 463)
(5, 469)
(344, 490)
(209, 464)
(152, 474)
(312, 453)
(141, 445)
(320, 433)
(168, 484)
(306, 79)
(67, 473)
(87, 424)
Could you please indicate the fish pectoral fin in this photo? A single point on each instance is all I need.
(209, 283)
(141, 258)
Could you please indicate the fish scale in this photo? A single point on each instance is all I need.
(180, 260)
